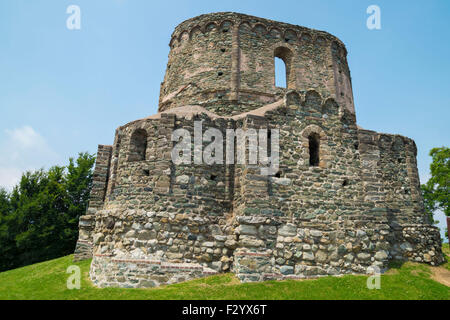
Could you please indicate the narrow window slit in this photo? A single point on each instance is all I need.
(314, 145)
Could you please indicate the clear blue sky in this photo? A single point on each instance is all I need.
(64, 91)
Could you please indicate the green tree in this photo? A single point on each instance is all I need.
(4, 202)
(7, 243)
(78, 186)
(436, 191)
(39, 219)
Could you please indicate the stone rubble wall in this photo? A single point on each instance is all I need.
(151, 222)
(225, 63)
(83, 249)
(270, 249)
(134, 273)
(418, 243)
(163, 236)
(304, 223)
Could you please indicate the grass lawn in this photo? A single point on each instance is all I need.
(47, 280)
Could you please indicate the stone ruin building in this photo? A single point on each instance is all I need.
(344, 199)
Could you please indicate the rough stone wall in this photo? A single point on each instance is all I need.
(225, 63)
(353, 211)
(83, 249)
(152, 222)
(136, 180)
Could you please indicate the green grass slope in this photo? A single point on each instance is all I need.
(47, 280)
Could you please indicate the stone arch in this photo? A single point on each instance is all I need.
(313, 101)
(334, 46)
(138, 145)
(290, 36)
(305, 38)
(320, 41)
(173, 42)
(195, 32)
(245, 27)
(226, 26)
(210, 27)
(275, 33)
(260, 29)
(330, 107)
(341, 54)
(286, 55)
(292, 98)
(184, 36)
(313, 134)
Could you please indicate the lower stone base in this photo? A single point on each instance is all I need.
(260, 249)
(261, 266)
(83, 251)
(281, 277)
(107, 271)
(417, 243)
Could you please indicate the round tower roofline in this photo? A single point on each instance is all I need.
(201, 21)
(225, 62)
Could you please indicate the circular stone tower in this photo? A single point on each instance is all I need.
(225, 62)
(343, 200)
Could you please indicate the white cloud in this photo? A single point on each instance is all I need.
(25, 136)
(23, 149)
(9, 177)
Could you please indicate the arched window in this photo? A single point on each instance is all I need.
(282, 62)
(138, 145)
(314, 140)
(314, 148)
(280, 73)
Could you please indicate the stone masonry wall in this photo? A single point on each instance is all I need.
(225, 63)
(152, 222)
(83, 249)
(305, 221)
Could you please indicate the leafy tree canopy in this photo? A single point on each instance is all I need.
(436, 191)
(39, 218)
